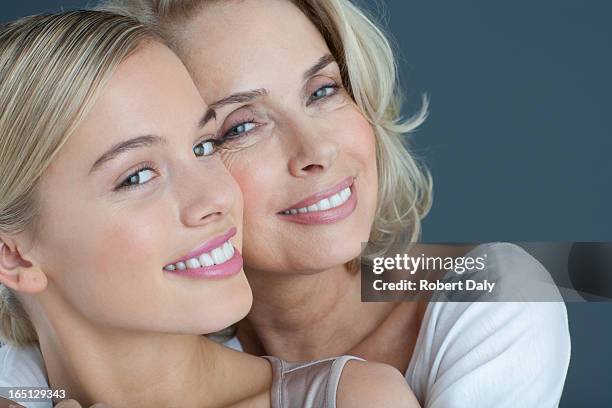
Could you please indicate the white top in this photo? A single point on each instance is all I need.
(479, 354)
(494, 354)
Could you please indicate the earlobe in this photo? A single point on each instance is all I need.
(17, 273)
(31, 280)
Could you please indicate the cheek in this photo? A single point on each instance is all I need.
(258, 181)
(359, 143)
(114, 240)
(98, 263)
(137, 242)
(363, 139)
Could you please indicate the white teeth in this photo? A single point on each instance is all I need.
(324, 204)
(334, 201)
(193, 263)
(228, 250)
(217, 256)
(206, 260)
(345, 194)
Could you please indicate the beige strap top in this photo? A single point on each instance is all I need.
(306, 385)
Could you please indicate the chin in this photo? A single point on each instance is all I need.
(223, 308)
(218, 319)
(235, 306)
(328, 257)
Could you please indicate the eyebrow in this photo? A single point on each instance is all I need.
(122, 147)
(319, 65)
(238, 97)
(248, 96)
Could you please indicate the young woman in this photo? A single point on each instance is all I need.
(305, 93)
(120, 231)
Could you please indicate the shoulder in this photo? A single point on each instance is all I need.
(479, 351)
(499, 322)
(518, 276)
(368, 384)
(21, 366)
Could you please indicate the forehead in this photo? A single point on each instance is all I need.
(149, 93)
(150, 86)
(233, 45)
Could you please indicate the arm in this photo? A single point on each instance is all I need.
(367, 384)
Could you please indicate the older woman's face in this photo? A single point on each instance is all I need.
(134, 191)
(301, 151)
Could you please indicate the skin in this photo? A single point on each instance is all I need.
(306, 302)
(97, 292)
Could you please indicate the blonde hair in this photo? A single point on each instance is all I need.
(369, 71)
(51, 69)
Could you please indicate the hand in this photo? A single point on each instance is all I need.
(5, 403)
(74, 404)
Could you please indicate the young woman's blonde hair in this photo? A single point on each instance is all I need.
(51, 69)
(369, 71)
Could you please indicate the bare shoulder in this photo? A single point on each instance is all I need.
(368, 384)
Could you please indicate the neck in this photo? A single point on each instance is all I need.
(303, 317)
(145, 369)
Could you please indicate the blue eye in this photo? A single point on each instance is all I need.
(323, 92)
(137, 178)
(205, 148)
(242, 128)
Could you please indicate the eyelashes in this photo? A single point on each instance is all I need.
(323, 92)
(147, 171)
(239, 128)
(243, 127)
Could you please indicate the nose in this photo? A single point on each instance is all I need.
(207, 194)
(314, 150)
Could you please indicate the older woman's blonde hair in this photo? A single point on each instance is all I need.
(51, 69)
(369, 72)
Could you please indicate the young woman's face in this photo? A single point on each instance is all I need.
(134, 191)
(301, 151)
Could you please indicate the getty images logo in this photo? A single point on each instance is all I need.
(412, 264)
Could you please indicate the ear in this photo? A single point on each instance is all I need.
(17, 273)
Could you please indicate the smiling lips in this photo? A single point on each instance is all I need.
(325, 207)
(325, 204)
(216, 258)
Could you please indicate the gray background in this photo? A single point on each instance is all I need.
(519, 135)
